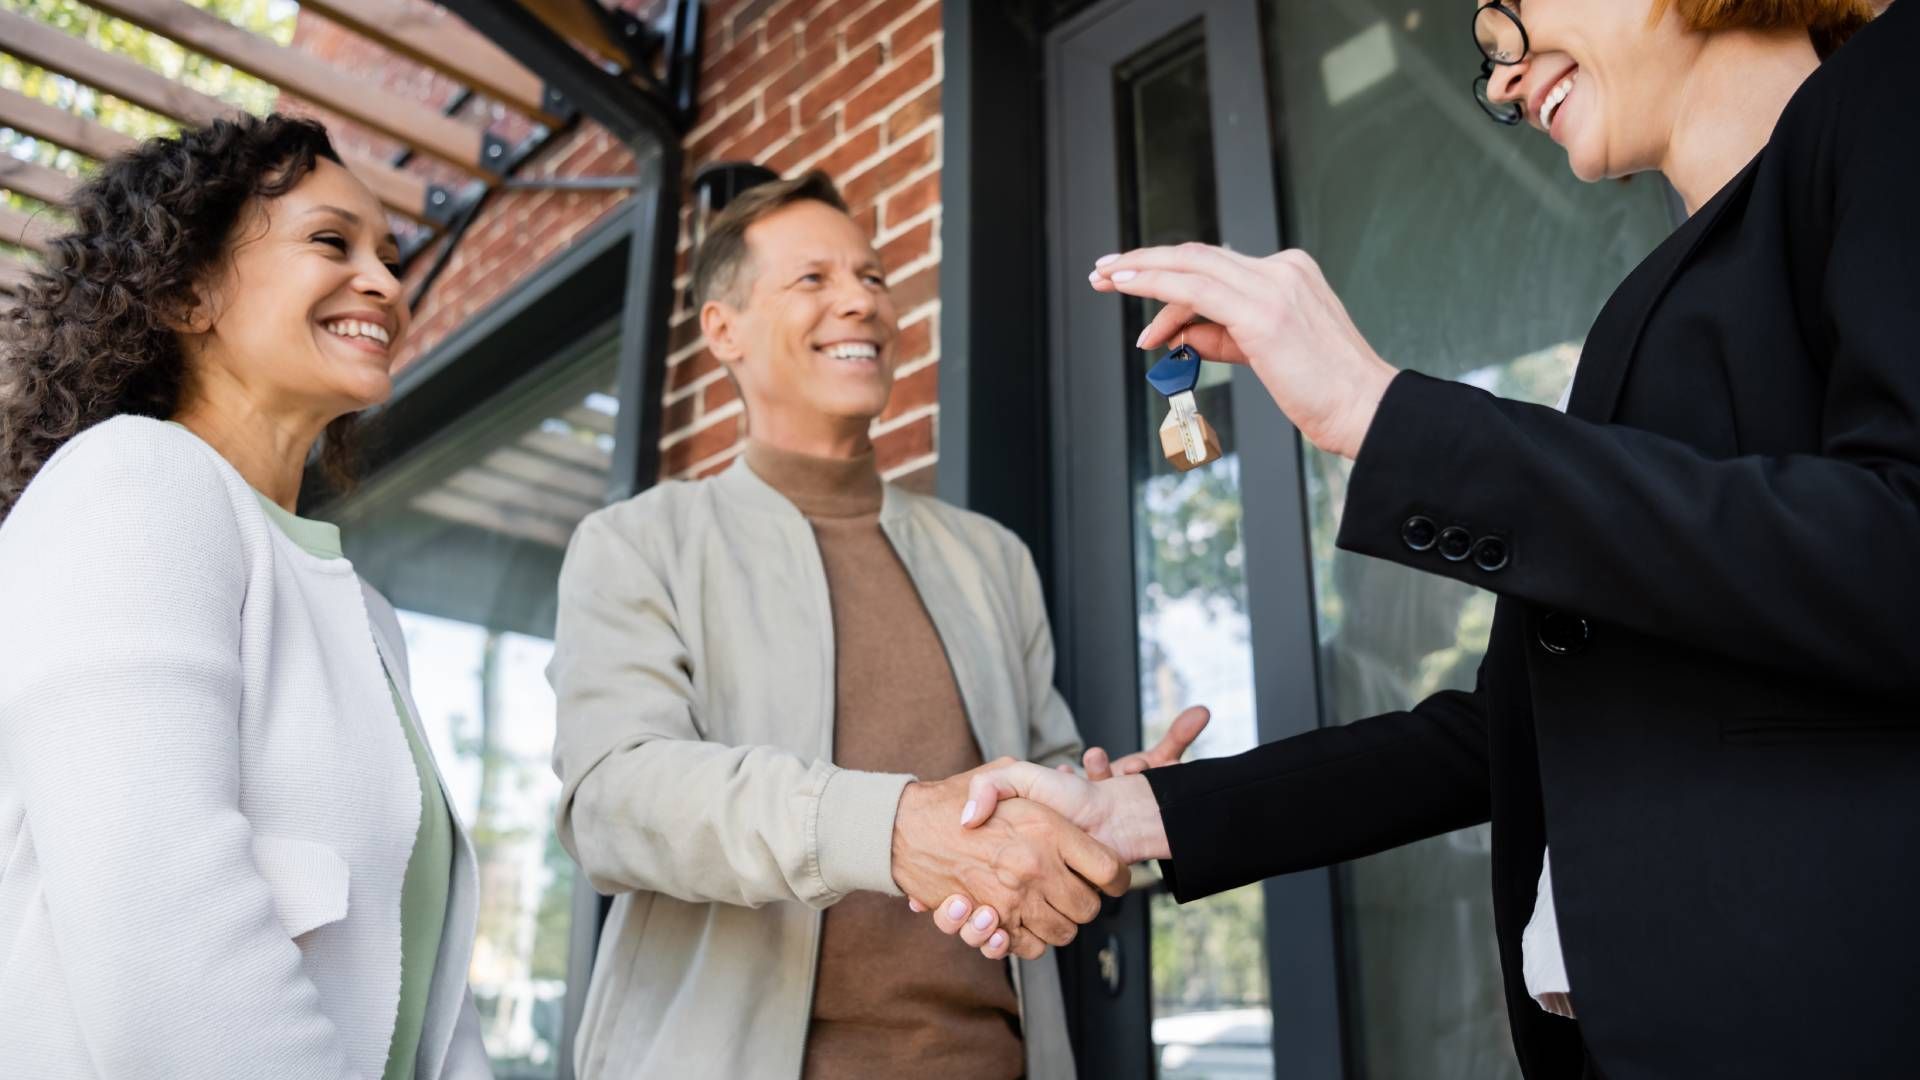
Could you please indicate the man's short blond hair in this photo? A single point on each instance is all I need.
(723, 253)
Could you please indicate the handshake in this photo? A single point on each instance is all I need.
(1013, 856)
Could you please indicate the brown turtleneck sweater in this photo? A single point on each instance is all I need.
(893, 996)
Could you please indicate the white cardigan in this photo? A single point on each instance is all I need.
(206, 807)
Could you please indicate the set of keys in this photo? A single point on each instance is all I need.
(1185, 436)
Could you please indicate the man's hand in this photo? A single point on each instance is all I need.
(1172, 746)
(1027, 862)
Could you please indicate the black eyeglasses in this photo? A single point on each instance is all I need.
(1502, 40)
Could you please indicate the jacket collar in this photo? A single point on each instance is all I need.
(741, 485)
(1616, 335)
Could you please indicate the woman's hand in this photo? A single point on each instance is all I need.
(1277, 315)
(1180, 734)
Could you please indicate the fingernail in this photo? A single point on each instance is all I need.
(956, 911)
(998, 939)
(981, 921)
(1104, 260)
(1123, 275)
(1141, 341)
(1094, 277)
(966, 812)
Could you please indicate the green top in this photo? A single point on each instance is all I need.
(423, 893)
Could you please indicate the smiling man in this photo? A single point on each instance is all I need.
(752, 669)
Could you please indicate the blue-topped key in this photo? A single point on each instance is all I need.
(1178, 372)
(1185, 437)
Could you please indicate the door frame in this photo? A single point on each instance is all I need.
(1095, 619)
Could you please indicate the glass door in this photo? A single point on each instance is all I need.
(465, 536)
(1170, 584)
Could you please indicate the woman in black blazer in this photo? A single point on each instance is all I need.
(1701, 687)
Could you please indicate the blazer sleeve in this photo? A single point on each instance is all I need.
(1325, 796)
(123, 575)
(646, 802)
(1806, 562)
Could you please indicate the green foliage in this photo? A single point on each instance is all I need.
(1210, 954)
(273, 19)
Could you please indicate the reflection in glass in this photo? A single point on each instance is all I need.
(1469, 252)
(1211, 1004)
(466, 536)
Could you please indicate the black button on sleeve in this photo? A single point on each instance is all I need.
(1490, 554)
(1562, 634)
(1455, 543)
(1419, 532)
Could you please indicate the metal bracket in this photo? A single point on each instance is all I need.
(556, 104)
(442, 205)
(494, 153)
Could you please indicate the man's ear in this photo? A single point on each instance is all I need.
(720, 325)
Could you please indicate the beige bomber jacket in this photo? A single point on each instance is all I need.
(693, 668)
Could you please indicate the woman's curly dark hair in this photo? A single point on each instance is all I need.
(92, 336)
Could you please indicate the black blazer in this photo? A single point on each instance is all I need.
(1703, 682)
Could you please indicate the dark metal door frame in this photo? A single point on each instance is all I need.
(1093, 566)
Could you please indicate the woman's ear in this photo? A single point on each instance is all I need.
(720, 325)
(193, 314)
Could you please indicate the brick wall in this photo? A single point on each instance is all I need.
(852, 87)
(849, 86)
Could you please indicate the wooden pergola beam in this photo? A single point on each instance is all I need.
(13, 274)
(36, 181)
(62, 53)
(571, 20)
(30, 116)
(25, 230)
(307, 76)
(432, 37)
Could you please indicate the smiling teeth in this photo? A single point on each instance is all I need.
(861, 351)
(350, 328)
(1551, 106)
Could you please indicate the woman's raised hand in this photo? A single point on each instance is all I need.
(1278, 315)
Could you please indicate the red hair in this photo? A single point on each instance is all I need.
(1830, 22)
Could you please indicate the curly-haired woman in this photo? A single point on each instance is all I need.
(224, 848)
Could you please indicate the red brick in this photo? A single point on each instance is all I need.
(902, 444)
(803, 146)
(816, 62)
(915, 30)
(688, 371)
(920, 389)
(718, 393)
(679, 414)
(907, 159)
(711, 440)
(866, 27)
(749, 147)
(857, 69)
(737, 123)
(922, 287)
(891, 87)
(824, 25)
(914, 113)
(852, 151)
(682, 332)
(915, 341)
(912, 199)
(722, 66)
(908, 246)
(778, 57)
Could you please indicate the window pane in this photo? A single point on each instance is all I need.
(466, 538)
(1467, 251)
(1211, 1003)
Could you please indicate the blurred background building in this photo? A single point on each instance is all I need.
(548, 164)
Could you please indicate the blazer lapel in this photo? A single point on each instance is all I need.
(1616, 334)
